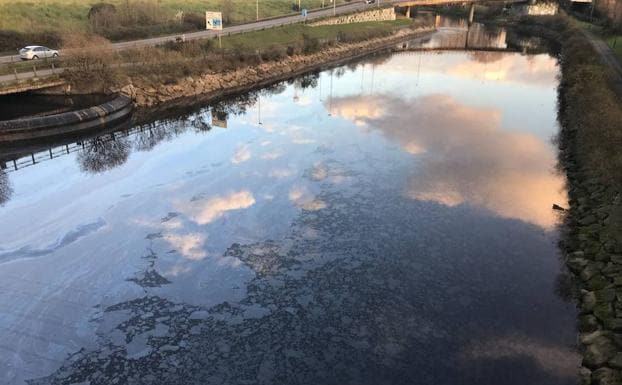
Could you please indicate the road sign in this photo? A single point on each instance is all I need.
(213, 20)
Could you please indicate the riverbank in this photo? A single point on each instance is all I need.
(216, 84)
(590, 137)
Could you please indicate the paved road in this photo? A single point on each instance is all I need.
(263, 24)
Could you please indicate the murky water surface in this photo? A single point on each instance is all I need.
(388, 222)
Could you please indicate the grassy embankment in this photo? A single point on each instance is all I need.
(590, 114)
(45, 21)
(293, 34)
(170, 62)
(290, 35)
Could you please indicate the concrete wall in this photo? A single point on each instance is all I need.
(65, 123)
(538, 9)
(372, 15)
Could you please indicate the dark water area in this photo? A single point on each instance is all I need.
(28, 105)
(385, 222)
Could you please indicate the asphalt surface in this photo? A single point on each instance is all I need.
(262, 24)
(608, 58)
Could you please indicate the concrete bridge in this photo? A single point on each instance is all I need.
(409, 4)
(32, 84)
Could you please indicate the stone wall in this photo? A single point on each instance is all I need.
(213, 85)
(360, 17)
(539, 9)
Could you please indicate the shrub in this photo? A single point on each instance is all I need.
(273, 53)
(91, 62)
(102, 15)
(194, 20)
(291, 50)
(310, 44)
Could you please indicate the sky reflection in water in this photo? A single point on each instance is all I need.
(389, 222)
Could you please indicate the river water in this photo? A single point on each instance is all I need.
(386, 222)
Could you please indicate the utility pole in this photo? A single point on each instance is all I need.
(334, 7)
(257, 3)
(330, 103)
(259, 115)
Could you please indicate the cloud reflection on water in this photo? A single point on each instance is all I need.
(557, 361)
(204, 211)
(241, 154)
(464, 154)
(533, 70)
(303, 198)
(190, 246)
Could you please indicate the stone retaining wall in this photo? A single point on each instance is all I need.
(214, 85)
(360, 17)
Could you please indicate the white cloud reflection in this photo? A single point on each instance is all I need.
(242, 154)
(205, 211)
(280, 173)
(190, 246)
(533, 70)
(272, 155)
(464, 155)
(303, 198)
(561, 362)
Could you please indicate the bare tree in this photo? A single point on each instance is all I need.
(104, 154)
(90, 61)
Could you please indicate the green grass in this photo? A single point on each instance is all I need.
(293, 33)
(71, 15)
(614, 41)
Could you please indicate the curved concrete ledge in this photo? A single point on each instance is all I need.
(65, 123)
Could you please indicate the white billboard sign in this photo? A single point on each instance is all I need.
(213, 20)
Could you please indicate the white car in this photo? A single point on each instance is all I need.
(34, 52)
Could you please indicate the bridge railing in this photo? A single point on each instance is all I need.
(57, 151)
(13, 73)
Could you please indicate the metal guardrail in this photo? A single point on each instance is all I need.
(29, 70)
